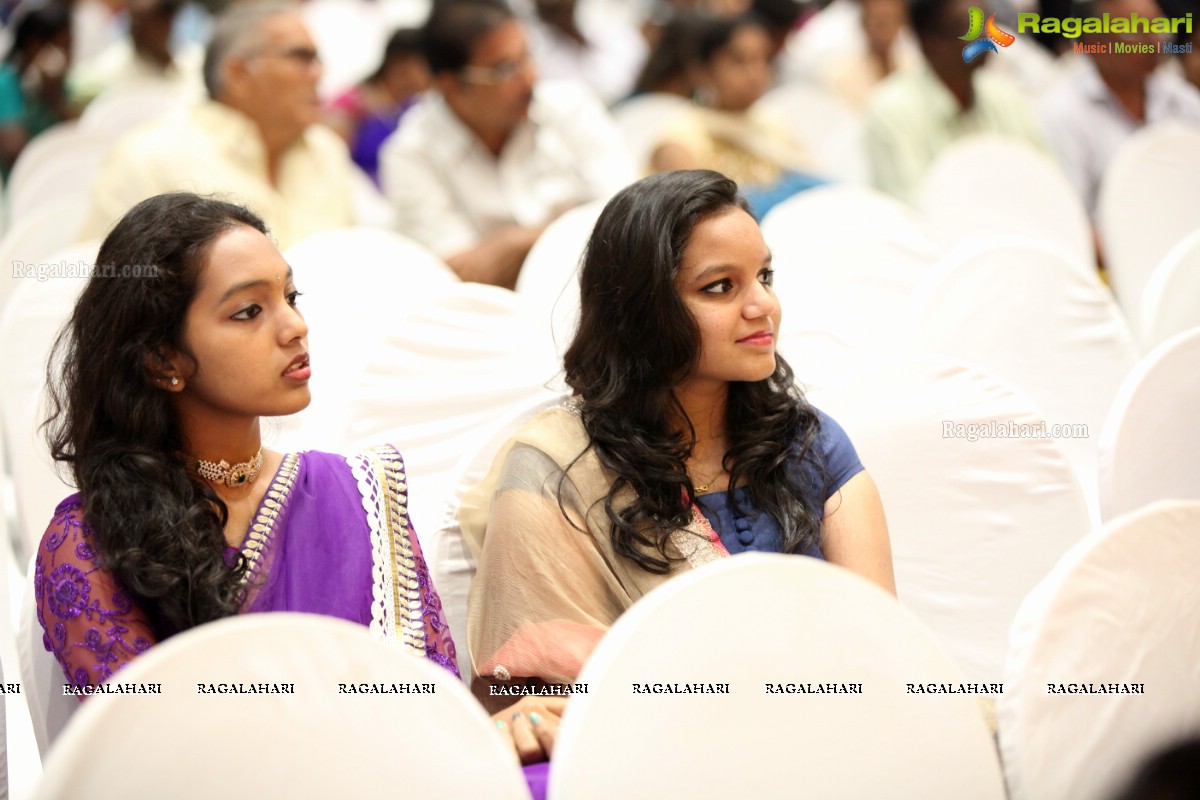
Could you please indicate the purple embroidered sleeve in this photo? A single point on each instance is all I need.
(439, 647)
(89, 623)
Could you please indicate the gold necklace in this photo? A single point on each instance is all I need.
(242, 474)
(710, 483)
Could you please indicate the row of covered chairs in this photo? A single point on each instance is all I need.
(1115, 609)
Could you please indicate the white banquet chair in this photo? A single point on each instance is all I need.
(3, 742)
(442, 377)
(314, 742)
(1028, 196)
(1148, 202)
(760, 620)
(1171, 300)
(50, 708)
(1118, 609)
(60, 162)
(846, 258)
(1032, 317)
(29, 323)
(1148, 445)
(825, 125)
(550, 275)
(46, 230)
(977, 515)
(125, 106)
(356, 284)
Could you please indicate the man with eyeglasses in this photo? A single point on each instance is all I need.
(255, 140)
(487, 159)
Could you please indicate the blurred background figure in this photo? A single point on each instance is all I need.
(585, 42)
(914, 115)
(672, 51)
(887, 47)
(146, 54)
(33, 76)
(780, 18)
(724, 131)
(1109, 97)
(368, 113)
(491, 155)
(256, 139)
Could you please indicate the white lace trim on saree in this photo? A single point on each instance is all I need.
(396, 590)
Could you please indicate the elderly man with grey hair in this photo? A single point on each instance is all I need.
(254, 140)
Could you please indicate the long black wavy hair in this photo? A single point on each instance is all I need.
(636, 340)
(158, 527)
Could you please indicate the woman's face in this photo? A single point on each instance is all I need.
(725, 281)
(740, 72)
(246, 339)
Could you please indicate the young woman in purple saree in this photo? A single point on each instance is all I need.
(311, 548)
(157, 385)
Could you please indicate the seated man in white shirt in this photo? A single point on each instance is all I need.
(255, 141)
(485, 161)
(1110, 97)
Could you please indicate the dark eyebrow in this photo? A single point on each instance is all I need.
(716, 268)
(241, 287)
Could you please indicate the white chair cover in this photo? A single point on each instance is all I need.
(313, 743)
(758, 620)
(1028, 196)
(451, 565)
(1149, 444)
(1037, 321)
(1119, 608)
(43, 678)
(846, 260)
(35, 313)
(356, 283)
(1148, 202)
(974, 524)
(45, 230)
(3, 742)
(123, 107)
(550, 275)
(1171, 300)
(830, 129)
(442, 377)
(643, 120)
(58, 163)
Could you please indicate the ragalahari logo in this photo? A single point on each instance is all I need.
(991, 33)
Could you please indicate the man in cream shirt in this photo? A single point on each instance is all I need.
(254, 141)
(481, 165)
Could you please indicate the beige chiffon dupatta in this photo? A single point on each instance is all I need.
(548, 583)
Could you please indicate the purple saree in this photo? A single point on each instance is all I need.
(331, 537)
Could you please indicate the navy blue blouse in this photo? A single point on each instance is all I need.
(831, 462)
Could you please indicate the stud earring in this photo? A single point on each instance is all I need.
(174, 381)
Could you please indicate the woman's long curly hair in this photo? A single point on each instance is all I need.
(158, 528)
(636, 340)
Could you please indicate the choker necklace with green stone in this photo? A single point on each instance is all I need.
(242, 474)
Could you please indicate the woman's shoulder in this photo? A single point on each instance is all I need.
(833, 451)
(67, 524)
(556, 430)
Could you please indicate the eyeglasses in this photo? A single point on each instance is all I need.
(304, 56)
(500, 73)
